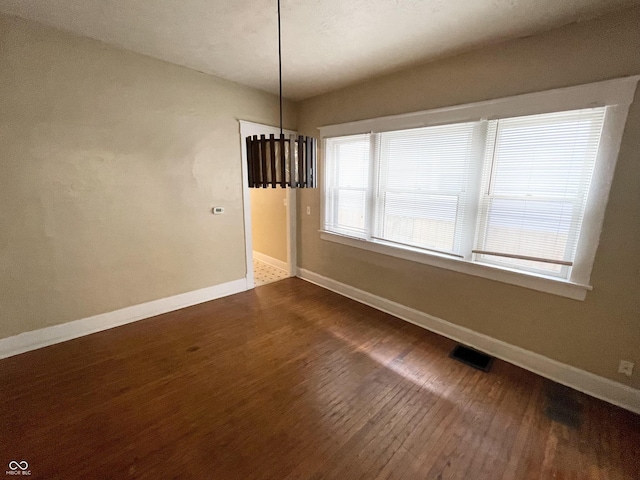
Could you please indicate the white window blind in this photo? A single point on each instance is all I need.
(423, 185)
(347, 166)
(535, 182)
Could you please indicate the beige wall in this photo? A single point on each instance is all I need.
(593, 335)
(109, 165)
(269, 222)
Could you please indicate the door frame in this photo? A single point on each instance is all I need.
(249, 129)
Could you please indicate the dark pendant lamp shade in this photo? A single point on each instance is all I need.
(285, 161)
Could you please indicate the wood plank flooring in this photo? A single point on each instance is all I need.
(291, 381)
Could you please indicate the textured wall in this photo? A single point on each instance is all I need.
(269, 222)
(593, 335)
(109, 166)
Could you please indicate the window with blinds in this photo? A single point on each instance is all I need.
(347, 185)
(422, 188)
(508, 192)
(535, 182)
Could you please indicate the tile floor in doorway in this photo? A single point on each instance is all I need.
(264, 273)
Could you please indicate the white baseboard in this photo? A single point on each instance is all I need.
(274, 262)
(581, 380)
(60, 333)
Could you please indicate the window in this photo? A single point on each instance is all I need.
(536, 177)
(348, 185)
(422, 189)
(499, 190)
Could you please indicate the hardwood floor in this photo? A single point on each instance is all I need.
(291, 381)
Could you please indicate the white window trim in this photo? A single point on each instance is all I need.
(616, 94)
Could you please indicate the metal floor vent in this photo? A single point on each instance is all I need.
(472, 357)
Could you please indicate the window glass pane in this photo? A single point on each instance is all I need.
(350, 206)
(545, 155)
(347, 182)
(536, 178)
(423, 185)
(420, 220)
(433, 158)
(530, 228)
(352, 163)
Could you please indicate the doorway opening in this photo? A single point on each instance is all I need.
(269, 221)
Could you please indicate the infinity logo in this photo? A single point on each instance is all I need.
(23, 465)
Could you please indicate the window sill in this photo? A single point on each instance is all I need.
(540, 283)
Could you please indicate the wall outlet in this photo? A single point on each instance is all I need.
(625, 367)
(308, 210)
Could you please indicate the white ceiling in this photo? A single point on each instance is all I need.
(327, 44)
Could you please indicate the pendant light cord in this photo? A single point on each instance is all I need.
(280, 65)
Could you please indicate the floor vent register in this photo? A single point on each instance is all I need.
(472, 357)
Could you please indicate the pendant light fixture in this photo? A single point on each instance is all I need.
(287, 161)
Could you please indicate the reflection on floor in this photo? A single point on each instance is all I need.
(264, 273)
